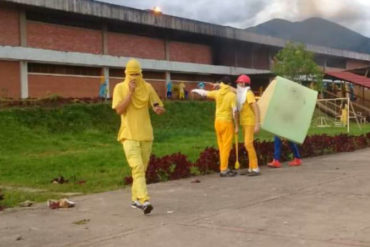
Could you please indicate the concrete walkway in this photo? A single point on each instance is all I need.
(325, 202)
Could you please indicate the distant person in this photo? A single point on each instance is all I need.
(169, 89)
(344, 115)
(201, 85)
(103, 88)
(226, 122)
(132, 99)
(181, 88)
(260, 90)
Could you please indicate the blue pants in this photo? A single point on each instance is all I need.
(169, 94)
(277, 148)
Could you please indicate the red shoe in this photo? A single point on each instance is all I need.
(295, 162)
(274, 164)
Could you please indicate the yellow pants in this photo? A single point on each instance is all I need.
(225, 134)
(138, 155)
(248, 131)
(181, 94)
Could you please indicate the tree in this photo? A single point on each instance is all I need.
(295, 63)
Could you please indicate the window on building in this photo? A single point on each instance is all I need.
(63, 69)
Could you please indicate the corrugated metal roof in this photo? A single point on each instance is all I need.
(350, 77)
(131, 15)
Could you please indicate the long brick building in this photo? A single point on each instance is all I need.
(64, 47)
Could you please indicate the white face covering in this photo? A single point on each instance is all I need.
(241, 96)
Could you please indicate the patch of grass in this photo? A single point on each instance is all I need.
(12, 198)
(78, 142)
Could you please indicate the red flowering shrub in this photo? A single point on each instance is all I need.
(165, 168)
(265, 151)
(177, 166)
(316, 145)
(361, 141)
(127, 180)
(368, 139)
(208, 161)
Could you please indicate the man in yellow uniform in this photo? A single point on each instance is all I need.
(131, 100)
(181, 87)
(225, 114)
(249, 120)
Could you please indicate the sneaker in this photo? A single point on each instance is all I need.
(274, 164)
(136, 204)
(246, 172)
(228, 173)
(147, 207)
(295, 162)
(254, 172)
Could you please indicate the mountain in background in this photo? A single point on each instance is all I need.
(315, 31)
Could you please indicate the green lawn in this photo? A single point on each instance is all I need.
(78, 142)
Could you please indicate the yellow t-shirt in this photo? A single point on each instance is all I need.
(225, 102)
(247, 116)
(135, 122)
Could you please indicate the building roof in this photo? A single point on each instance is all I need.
(131, 15)
(351, 77)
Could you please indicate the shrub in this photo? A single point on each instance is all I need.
(177, 166)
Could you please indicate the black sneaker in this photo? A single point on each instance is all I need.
(228, 173)
(147, 207)
(246, 172)
(136, 204)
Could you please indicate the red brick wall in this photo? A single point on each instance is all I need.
(159, 87)
(63, 38)
(65, 86)
(10, 85)
(9, 27)
(188, 52)
(112, 84)
(135, 46)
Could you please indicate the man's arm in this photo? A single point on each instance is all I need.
(256, 111)
(201, 92)
(236, 120)
(159, 110)
(156, 102)
(122, 105)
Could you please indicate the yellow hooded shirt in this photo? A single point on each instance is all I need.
(135, 122)
(247, 116)
(225, 102)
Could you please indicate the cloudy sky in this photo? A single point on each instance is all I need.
(353, 14)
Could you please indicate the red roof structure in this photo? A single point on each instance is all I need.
(350, 77)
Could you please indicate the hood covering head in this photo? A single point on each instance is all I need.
(133, 73)
(224, 88)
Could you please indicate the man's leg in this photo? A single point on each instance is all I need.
(146, 151)
(297, 157)
(134, 158)
(248, 142)
(218, 129)
(227, 141)
(277, 148)
(277, 153)
(294, 147)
